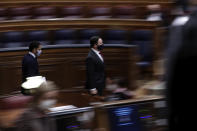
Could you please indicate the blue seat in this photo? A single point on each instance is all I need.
(115, 37)
(144, 40)
(13, 39)
(38, 35)
(65, 36)
(141, 35)
(145, 51)
(86, 34)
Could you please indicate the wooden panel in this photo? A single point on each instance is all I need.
(76, 24)
(66, 66)
(81, 2)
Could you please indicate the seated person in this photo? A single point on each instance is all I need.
(120, 91)
(111, 84)
(34, 118)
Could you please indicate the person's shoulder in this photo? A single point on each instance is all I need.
(28, 58)
(90, 54)
(27, 55)
(90, 58)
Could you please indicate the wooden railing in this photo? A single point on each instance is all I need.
(53, 24)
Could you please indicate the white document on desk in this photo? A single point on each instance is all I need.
(61, 108)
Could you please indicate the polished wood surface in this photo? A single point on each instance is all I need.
(53, 24)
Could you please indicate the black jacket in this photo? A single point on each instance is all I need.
(181, 79)
(95, 72)
(29, 67)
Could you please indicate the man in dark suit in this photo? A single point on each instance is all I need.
(181, 78)
(95, 67)
(30, 65)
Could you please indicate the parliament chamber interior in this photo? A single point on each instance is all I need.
(134, 34)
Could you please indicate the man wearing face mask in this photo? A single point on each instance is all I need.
(35, 117)
(30, 65)
(95, 67)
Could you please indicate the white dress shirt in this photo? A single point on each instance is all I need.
(98, 54)
(32, 54)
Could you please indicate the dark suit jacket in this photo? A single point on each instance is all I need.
(29, 67)
(95, 72)
(182, 81)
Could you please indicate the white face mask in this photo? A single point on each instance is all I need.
(39, 52)
(46, 104)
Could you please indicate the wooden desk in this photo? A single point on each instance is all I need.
(8, 117)
(65, 97)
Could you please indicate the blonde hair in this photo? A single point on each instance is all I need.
(45, 87)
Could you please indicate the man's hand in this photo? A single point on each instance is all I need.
(93, 91)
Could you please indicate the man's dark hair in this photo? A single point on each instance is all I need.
(94, 40)
(33, 45)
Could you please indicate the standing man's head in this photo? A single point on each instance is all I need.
(96, 42)
(35, 47)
